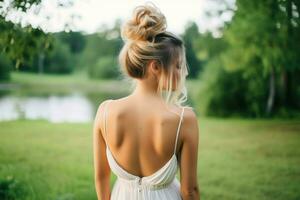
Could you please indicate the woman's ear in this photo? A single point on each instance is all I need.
(155, 68)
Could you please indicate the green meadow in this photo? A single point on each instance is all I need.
(238, 159)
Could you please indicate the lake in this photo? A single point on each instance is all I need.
(73, 107)
(57, 99)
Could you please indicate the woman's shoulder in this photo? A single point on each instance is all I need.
(112, 103)
(189, 113)
(190, 123)
(104, 102)
(101, 107)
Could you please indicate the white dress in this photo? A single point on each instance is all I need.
(161, 185)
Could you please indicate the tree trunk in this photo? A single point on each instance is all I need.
(283, 87)
(271, 97)
(41, 62)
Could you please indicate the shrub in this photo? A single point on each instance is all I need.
(59, 60)
(105, 68)
(11, 189)
(5, 66)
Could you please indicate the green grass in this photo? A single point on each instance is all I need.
(66, 83)
(50, 160)
(243, 159)
(238, 159)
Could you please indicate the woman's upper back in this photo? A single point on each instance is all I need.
(141, 135)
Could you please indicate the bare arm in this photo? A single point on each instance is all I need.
(101, 167)
(189, 156)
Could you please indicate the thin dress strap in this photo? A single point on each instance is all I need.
(181, 116)
(105, 116)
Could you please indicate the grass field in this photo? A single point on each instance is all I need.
(66, 83)
(238, 159)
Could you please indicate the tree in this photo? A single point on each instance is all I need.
(261, 53)
(106, 42)
(21, 43)
(262, 33)
(190, 35)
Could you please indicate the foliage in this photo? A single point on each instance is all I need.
(75, 40)
(189, 36)
(231, 93)
(107, 42)
(105, 68)
(24, 4)
(59, 60)
(11, 189)
(5, 67)
(257, 72)
(20, 44)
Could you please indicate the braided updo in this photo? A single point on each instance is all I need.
(145, 39)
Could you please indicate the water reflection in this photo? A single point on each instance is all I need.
(73, 107)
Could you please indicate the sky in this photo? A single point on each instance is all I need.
(89, 15)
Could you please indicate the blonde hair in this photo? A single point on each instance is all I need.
(146, 39)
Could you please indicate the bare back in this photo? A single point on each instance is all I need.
(138, 134)
(141, 136)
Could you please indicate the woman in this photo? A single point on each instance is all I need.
(144, 137)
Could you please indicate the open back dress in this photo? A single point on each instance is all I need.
(161, 185)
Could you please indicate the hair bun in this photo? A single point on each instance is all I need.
(147, 21)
